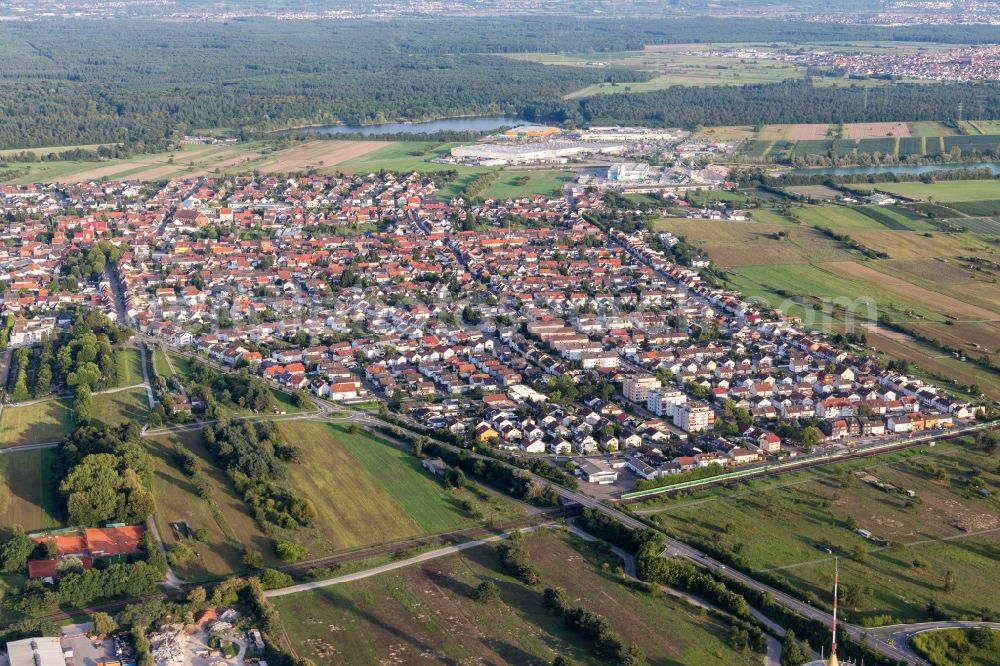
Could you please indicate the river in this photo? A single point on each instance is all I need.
(465, 124)
(908, 168)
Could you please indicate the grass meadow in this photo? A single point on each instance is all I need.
(129, 362)
(366, 491)
(946, 526)
(50, 419)
(28, 492)
(426, 613)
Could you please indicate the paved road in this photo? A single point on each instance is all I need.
(119, 389)
(901, 634)
(392, 566)
(172, 581)
(29, 447)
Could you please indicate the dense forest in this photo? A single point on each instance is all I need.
(142, 83)
(788, 102)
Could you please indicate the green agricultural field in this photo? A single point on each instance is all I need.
(924, 281)
(985, 126)
(985, 226)
(946, 191)
(521, 183)
(946, 526)
(753, 148)
(7, 152)
(28, 492)
(984, 208)
(400, 499)
(129, 363)
(735, 244)
(222, 513)
(896, 218)
(912, 145)
(930, 128)
(834, 216)
(426, 612)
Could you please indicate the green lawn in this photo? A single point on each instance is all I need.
(28, 493)
(50, 419)
(426, 612)
(160, 364)
(816, 283)
(129, 363)
(549, 182)
(959, 646)
(111, 408)
(45, 421)
(947, 526)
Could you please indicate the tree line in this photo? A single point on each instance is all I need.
(254, 455)
(773, 103)
(135, 87)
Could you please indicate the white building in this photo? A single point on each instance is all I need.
(29, 332)
(663, 401)
(593, 471)
(43, 651)
(637, 387)
(694, 417)
(534, 152)
(628, 172)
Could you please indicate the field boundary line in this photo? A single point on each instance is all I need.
(921, 542)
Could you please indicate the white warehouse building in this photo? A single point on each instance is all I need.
(531, 153)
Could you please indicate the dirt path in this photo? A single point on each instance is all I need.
(391, 566)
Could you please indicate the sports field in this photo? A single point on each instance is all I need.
(27, 491)
(946, 526)
(426, 613)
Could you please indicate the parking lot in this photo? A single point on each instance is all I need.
(87, 652)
